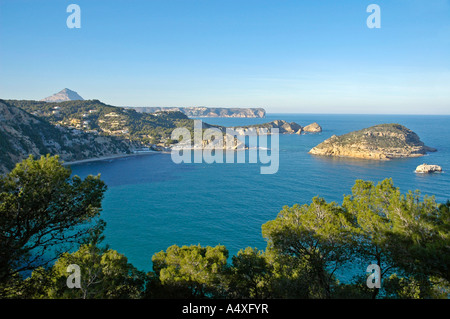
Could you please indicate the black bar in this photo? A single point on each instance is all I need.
(225, 308)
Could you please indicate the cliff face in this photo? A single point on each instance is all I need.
(207, 111)
(379, 142)
(22, 134)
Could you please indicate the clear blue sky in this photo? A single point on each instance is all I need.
(300, 56)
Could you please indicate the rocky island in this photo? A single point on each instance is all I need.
(313, 128)
(425, 168)
(379, 142)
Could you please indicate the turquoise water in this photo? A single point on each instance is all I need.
(152, 203)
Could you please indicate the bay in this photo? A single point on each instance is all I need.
(152, 203)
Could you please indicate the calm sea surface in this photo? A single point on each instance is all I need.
(153, 203)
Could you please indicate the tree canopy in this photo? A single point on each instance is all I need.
(41, 207)
(44, 207)
(192, 271)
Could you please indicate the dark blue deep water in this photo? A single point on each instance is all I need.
(153, 203)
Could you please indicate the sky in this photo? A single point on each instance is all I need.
(287, 56)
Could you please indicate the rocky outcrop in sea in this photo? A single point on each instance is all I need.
(313, 128)
(425, 168)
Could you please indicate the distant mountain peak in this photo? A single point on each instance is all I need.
(63, 95)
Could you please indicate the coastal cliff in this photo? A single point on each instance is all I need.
(22, 134)
(379, 142)
(202, 111)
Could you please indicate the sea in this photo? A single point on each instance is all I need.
(152, 203)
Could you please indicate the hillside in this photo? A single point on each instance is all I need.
(148, 128)
(93, 116)
(207, 111)
(84, 129)
(380, 142)
(22, 134)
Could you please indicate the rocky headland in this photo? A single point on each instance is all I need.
(282, 126)
(227, 142)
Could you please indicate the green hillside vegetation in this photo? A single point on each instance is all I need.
(406, 235)
(382, 135)
(82, 129)
(93, 115)
(22, 134)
